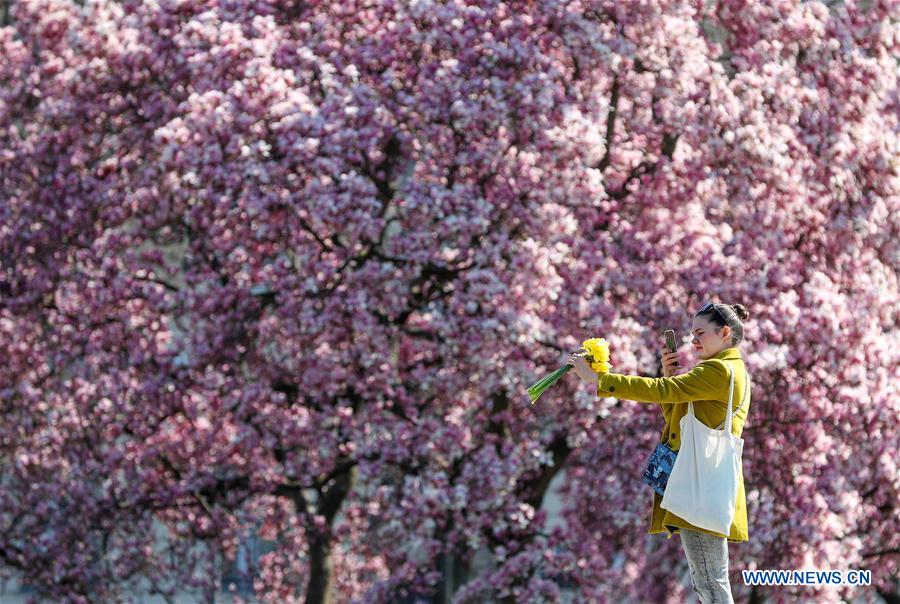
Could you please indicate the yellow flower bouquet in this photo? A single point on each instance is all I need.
(596, 353)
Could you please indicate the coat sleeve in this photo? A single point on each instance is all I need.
(708, 380)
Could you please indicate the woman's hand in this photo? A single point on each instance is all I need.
(582, 368)
(669, 362)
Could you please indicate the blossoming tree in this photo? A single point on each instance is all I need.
(287, 267)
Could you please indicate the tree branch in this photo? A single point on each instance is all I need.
(610, 123)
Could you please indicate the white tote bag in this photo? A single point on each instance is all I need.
(702, 488)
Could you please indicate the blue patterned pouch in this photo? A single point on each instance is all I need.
(659, 467)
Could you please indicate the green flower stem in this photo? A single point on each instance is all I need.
(537, 389)
(550, 379)
(547, 380)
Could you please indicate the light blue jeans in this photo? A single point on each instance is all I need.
(707, 557)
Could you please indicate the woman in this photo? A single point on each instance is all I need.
(717, 330)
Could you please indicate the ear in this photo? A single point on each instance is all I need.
(726, 332)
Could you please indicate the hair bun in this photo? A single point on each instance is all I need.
(741, 311)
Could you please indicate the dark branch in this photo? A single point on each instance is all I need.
(610, 124)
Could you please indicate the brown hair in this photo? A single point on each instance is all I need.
(731, 315)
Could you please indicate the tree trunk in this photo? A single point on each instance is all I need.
(319, 589)
(454, 573)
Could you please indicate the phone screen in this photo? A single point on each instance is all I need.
(670, 340)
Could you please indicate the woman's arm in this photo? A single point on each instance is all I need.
(708, 380)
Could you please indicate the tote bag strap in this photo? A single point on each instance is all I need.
(743, 400)
(729, 414)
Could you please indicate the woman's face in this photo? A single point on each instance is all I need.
(708, 339)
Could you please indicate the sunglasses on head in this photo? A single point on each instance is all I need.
(706, 308)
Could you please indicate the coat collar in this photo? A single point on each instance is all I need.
(729, 353)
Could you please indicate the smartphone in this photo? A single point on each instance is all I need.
(669, 335)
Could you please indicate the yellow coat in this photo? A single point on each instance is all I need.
(707, 386)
